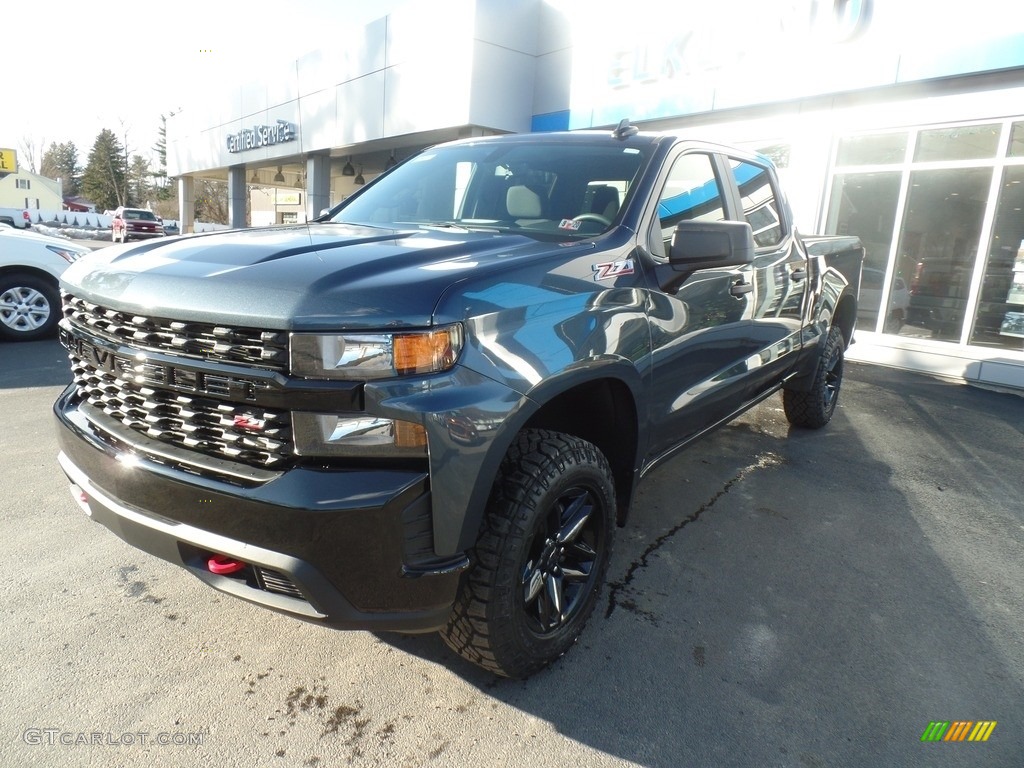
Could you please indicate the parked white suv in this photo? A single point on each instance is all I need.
(30, 266)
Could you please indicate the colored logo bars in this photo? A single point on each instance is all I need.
(958, 730)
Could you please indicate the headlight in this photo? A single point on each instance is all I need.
(69, 255)
(332, 434)
(362, 357)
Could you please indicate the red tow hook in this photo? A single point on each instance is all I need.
(223, 565)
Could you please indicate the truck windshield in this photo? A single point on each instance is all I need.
(538, 188)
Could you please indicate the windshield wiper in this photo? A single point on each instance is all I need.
(459, 226)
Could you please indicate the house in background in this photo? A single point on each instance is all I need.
(78, 204)
(31, 191)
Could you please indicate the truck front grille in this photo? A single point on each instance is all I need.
(238, 432)
(204, 341)
(199, 412)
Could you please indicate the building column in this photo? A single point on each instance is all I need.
(318, 184)
(186, 204)
(237, 196)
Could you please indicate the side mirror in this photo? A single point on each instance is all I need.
(323, 212)
(711, 244)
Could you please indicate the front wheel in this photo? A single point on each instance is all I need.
(29, 307)
(814, 408)
(541, 557)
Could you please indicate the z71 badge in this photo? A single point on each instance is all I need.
(610, 269)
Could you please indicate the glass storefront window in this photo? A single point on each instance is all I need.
(999, 321)
(875, 149)
(938, 247)
(864, 204)
(971, 142)
(1017, 140)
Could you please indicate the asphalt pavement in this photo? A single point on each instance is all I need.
(778, 598)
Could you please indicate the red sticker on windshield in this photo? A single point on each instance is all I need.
(569, 224)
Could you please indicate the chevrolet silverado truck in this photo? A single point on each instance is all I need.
(431, 408)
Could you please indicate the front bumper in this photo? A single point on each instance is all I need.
(344, 548)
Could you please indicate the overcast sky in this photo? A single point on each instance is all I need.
(72, 68)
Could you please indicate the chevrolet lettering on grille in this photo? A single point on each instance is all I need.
(103, 359)
(143, 370)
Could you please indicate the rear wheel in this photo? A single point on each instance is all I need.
(29, 307)
(814, 408)
(540, 560)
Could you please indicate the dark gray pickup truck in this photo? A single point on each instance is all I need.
(430, 409)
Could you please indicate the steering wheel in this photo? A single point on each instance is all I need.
(593, 217)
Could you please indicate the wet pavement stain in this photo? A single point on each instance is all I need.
(345, 721)
(698, 655)
(251, 680)
(135, 588)
(615, 588)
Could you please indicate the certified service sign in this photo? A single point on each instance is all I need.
(261, 136)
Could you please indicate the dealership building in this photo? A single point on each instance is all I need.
(901, 125)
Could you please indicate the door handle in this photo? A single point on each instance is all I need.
(739, 288)
(798, 274)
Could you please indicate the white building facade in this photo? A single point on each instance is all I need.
(902, 125)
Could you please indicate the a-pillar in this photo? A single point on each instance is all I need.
(318, 184)
(186, 204)
(237, 196)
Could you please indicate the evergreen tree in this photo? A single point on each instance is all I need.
(60, 161)
(105, 180)
(139, 186)
(163, 184)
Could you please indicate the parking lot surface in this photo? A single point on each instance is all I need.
(778, 598)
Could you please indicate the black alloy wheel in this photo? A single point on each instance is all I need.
(561, 567)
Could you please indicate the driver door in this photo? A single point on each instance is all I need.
(700, 320)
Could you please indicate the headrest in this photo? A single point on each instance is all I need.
(605, 201)
(522, 203)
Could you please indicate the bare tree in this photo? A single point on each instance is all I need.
(211, 200)
(32, 151)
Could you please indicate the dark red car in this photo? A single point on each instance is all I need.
(134, 223)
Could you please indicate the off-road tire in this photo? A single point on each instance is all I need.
(534, 533)
(814, 408)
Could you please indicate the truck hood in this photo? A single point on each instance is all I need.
(315, 277)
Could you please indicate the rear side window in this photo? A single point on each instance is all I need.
(691, 193)
(760, 202)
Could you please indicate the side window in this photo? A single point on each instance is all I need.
(760, 203)
(691, 193)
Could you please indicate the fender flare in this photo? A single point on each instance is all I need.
(519, 417)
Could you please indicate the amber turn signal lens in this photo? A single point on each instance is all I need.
(427, 352)
(409, 435)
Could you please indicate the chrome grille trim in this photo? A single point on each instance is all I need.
(234, 431)
(251, 346)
